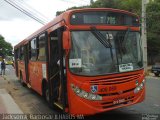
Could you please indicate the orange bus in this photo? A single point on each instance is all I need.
(85, 61)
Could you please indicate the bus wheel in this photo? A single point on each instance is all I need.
(47, 97)
(47, 94)
(21, 80)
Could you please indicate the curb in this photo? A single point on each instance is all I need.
(7, 104)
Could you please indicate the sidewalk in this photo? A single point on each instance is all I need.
(7, 104)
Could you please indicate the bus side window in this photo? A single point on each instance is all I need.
(41, 50)
(33, 49)
(18, 53)
(21, 53)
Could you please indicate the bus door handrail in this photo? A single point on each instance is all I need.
(54, 75)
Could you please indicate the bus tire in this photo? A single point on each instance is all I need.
(47, 94)
(44, 84)
(47, 97)
(21, 80)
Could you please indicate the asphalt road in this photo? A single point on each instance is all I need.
(31, 103)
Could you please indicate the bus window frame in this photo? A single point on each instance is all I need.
(40, 37)
(66, 40)
(30, 49)
(20, 53)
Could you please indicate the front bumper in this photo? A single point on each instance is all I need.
(87, 107)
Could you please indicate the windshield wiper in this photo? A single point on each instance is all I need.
(101, 37)
(126, 34)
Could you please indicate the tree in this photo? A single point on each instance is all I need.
(59, 12)
(5, 47)
(131, 5)
(106, 4)
(153, 31)
(80, 7)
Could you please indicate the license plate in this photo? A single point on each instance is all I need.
(118, 101)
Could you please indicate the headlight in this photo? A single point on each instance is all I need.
(139, 87)
(93, 97)
(83, 94)
(77, 90)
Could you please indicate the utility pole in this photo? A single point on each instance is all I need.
(144, 34)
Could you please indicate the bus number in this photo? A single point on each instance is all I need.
(111, 20)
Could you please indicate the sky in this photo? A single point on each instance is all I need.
(16, 26)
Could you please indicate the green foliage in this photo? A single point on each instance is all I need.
(106, 4)
(59, 12)
(78, 7)
(74, 7)
(5, 47)
(153, 28)
(129, 5)
(156, 1)
(132, 6)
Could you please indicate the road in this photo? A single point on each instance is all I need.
(31, 103)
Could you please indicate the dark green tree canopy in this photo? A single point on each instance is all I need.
(129, 5)
(153, 28)
(5, 47)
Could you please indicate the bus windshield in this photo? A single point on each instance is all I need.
(90, 57)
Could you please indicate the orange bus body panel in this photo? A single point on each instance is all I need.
(21, 66)
(36, 75)
(82, 106)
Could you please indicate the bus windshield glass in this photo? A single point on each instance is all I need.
(90, 57)
(107, 18)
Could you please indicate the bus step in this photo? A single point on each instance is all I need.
(58, 105)
(28, 85)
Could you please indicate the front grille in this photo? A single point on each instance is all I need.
(115, 80)
(116, 93)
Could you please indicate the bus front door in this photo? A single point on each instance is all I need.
(56, 84)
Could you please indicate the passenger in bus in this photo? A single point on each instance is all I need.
(3, 67)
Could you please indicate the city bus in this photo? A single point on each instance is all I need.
(85, 61)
